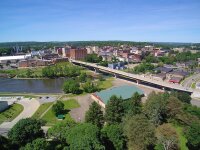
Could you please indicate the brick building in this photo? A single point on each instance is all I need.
(78, 53)
(33, 63)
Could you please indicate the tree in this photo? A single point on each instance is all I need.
(83, 77)
(84, 136)
(182, 96)
(140, 132)
(155, 108)
(5, 143)
(167, 137)
(114, 110)
(48, 72)
(113, 137)
(58, 108)
(176, 113)
(37, 144)
(193, 136)
(71, 86)
(29, 73)
(60, 130)
(95, 115)
(25, 131)
(93, 58)
(89, 87)
(133, 106)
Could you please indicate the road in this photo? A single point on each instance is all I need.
(188, 81)
(30, 107)
(136, 77)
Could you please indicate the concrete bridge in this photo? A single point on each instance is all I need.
(139, 79)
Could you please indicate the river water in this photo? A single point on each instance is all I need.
(31, 85)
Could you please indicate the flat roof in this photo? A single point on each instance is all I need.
(12, 57)
(125, 92)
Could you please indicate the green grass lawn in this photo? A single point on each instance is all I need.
(11, 113)
(193, 86)
(106, 84)
(41, 110)
(50, 117)
(182, 139)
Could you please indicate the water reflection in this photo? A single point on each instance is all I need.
(31, 85)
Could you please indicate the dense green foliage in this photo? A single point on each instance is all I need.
(59, 130)
(5, 143)
(84, 136)
(167, 137)
(133, 106)
(128, 124)
(155, 108)
(143, 68)
(25, 131)
(114, 110)
(58, 108)
(37, 144)
(89, 87)
(193, 136)
(113, 137)
(182, 96)
(140, 132)
(95, 115)
(93, 58)
(71, 86)
(61, 70)
(193, 110)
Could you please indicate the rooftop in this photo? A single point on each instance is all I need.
(125, 92)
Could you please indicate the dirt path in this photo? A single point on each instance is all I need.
(78, 114)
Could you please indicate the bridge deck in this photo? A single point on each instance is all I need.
(136, 77)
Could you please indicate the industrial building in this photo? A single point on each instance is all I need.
(125, 92)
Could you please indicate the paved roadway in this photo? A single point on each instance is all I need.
(30, 107)
(138, 77)
(188, 81)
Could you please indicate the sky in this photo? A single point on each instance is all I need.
(82, 20)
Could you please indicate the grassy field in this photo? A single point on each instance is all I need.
(41, 110)
(193, 86)
(11, 113)
(106, 84)
(182, 139)
(50, 117)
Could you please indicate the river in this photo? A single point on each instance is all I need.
(31, 85)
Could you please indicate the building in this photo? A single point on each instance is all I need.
(49, 56)
(118, 66)
(125, 92)
(175, 80)
(163, 69)
(33, 63)
(177, 74)
(14, 59)
(159, 76)
(78, 53)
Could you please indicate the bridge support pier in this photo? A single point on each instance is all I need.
(138, 82)
(96, 70)
(115, 75)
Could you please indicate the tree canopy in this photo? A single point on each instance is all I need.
(25, 131)
(114, 110)
(58, 107)
(84, 136)
(95, 115)
(140, 132)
